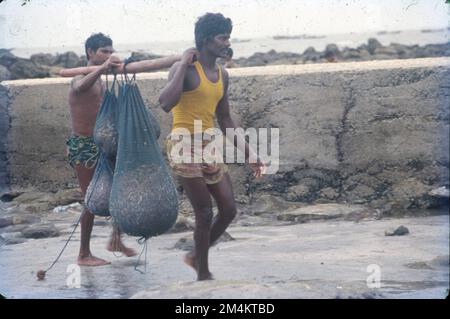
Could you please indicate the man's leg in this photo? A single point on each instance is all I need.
(116, 244)
(198, 194)
(224, 197)
(85, 257)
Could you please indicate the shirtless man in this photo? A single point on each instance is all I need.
(85, 97)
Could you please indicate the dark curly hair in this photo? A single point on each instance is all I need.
(209, 25)
(95, 41)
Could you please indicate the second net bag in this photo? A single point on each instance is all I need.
(99, 189)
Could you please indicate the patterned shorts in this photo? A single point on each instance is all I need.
(212, 172)
(81, 150)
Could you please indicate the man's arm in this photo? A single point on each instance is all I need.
(83, 83)
(150, 65)
(133, 67)
(171, 93)
(84, 70)
(225, 121)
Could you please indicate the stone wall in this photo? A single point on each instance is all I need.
(362, 132)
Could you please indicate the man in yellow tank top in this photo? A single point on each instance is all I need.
(197, 91)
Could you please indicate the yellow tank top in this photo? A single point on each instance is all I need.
(198, 104)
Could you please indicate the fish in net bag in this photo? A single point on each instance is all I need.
(144, 199)
(105, 137)
(105, 130)
(98, 192)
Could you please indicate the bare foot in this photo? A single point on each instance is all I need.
(189, 259)
(91, 261)
(129, 252)
(206, 276)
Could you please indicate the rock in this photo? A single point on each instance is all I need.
(67, 196)
(440, 192)
(184, 243)
(440, 261)
(329, 193)
(385, 50)
(310, 54)
(26, 69)
(242, 199)
(348, 54)
(11, 239)
(40, 231)
(372, 45)
(68, 60)
(325, 212)
(433, 50)
(187, 243)
(400, 231)
(139, 56)
(361, 193)
(418, 265)
(6, 221)
(15, 241)
(182, 225)
(25, 219)
(4, 73)
(54, 71)
(382, 57)
(403, 51)
(82, 61)
(9, 196)
(382, 206)
(44, 59)
(35, 202)
(410, 193)
(13, 228)
(367, 295)
(32, 196)
(364, 54)
(298, 193)
(7, 58)
(331, 52)
(12, 235)
(435, 263)
(438, 197)
(268, 204)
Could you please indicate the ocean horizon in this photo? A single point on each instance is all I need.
(280, 43)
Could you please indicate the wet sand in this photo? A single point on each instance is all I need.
(320, 259)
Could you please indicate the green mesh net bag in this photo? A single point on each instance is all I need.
(98, 192)
(144, 200)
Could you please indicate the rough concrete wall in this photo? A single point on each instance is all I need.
(36, 140)
(371, 132)
(4, 127)
(378, 137)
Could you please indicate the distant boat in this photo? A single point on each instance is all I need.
(303, 36)
(431, 30)
(388, 32)
(240, 40)
(314, 36)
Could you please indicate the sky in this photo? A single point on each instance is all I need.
(52, 23)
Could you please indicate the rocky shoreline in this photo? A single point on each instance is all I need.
(43, 65)
(31, 214)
